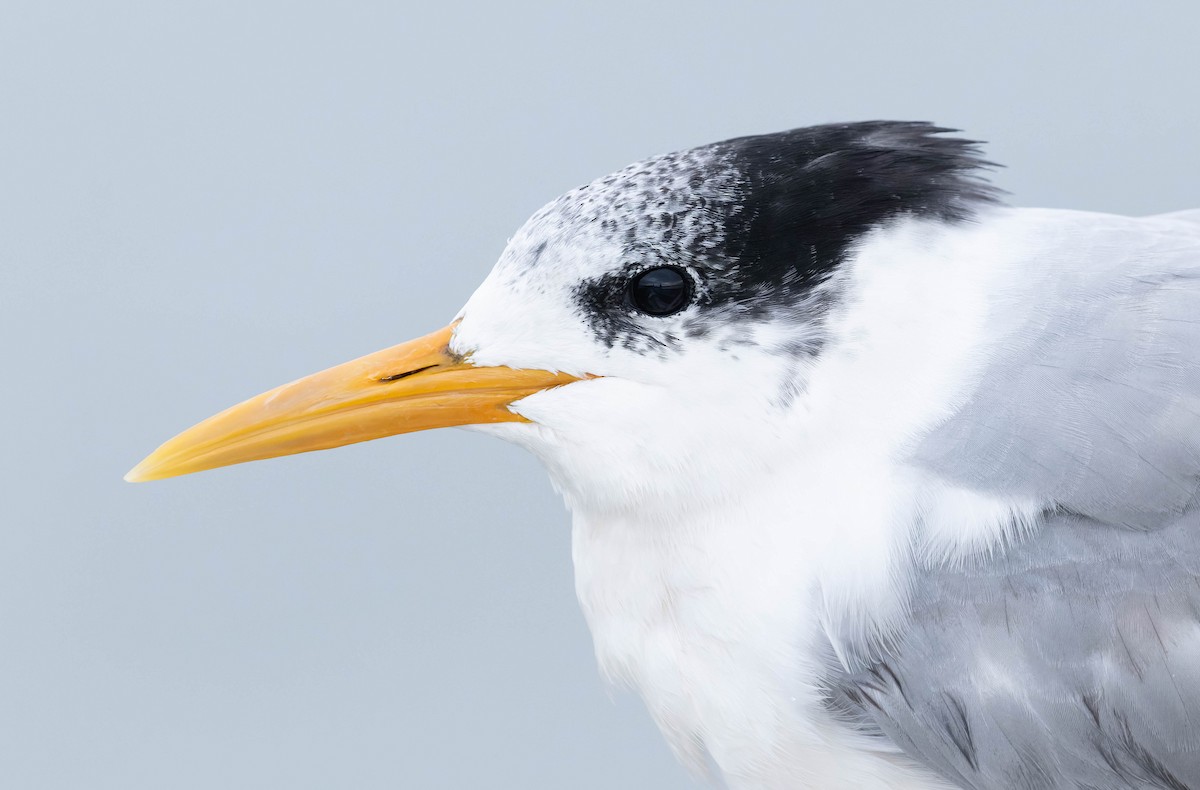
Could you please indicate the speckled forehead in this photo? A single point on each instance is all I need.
(673, 202)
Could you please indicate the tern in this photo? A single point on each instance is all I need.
(875, 481)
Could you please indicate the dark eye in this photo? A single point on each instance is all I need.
(660, 291)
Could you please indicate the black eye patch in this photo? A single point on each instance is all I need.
(753, 227)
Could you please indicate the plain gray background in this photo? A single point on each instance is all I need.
(199, 201)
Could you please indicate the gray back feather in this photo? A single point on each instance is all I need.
(1072, 658)
(1092, 401)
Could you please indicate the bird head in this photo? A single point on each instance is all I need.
(646, 335)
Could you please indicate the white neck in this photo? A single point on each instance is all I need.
(723, 634)
(717, 587)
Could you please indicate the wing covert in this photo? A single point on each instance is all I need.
(1073, 661)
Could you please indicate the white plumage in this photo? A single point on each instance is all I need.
(719, 538)
(885, 502)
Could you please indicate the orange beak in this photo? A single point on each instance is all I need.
(410, 387)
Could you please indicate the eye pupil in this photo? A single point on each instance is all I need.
(660, 291)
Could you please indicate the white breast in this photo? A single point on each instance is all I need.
(717, 626)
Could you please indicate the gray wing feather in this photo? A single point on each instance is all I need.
(1092, 399)
(1071, 659)
(1071, 662)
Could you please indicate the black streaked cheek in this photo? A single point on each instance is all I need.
(661, 291)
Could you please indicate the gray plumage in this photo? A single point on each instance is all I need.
(1073, 661)
(1092, 401)
(1072, 658)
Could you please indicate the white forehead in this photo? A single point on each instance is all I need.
(664, 209)
(669, 201)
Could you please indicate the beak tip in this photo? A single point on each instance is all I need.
(138, 474)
